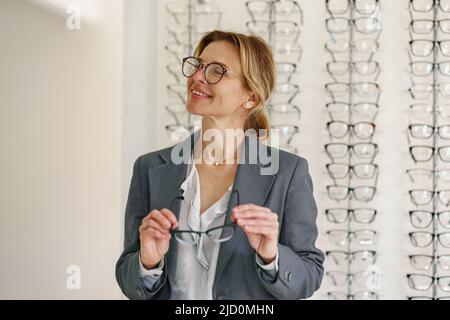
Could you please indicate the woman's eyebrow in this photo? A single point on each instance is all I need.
(218, 62)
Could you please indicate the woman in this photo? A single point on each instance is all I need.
(216, 225)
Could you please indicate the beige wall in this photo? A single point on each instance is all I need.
(61, 151)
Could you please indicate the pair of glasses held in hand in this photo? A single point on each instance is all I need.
(217, 234)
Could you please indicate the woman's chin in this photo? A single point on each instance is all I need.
(197, 108)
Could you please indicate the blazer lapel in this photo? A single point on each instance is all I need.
(253, 187)
(165, 182)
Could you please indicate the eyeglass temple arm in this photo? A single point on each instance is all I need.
(250, 12)
(411, 16)
(331, 34)
(301, 14)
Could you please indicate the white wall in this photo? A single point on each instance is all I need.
(139, 85)
(61, 142)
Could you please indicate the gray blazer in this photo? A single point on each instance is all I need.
(289, 192)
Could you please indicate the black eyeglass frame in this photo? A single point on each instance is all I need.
(205, 67)
(233, 225)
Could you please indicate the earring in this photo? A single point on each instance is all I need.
(247, 104)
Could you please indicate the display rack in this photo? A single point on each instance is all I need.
(354, 28)
(187, 21)
(279, 23)
(428, 134)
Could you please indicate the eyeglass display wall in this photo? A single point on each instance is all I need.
(354, 28)
(187, 21)
(361, 115)
(279, 23)
(428, 135)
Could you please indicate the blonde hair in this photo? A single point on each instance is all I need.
(258, 69)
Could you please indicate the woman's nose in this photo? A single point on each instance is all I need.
(200, 75)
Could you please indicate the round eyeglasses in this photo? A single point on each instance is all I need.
(213, 72)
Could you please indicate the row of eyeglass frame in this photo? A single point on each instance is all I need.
(429, 70)
(353, 109)
(187, 21)
(279, 24)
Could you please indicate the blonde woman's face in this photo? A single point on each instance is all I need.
(225, 98)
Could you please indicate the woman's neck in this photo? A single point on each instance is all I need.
(220, 142)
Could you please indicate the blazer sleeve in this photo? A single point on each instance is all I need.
(128, 266)
(300, 264)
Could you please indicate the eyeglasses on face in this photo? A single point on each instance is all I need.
(213, 72)
(359, 215)
(363, 237)
(422, 239)
(362, 150)
(424, 262)
(337, 7)
(421, 197)
(360, 257)
(424, 48)
(362, 130)
(217, 234)
(422, 219)
(361, 295)
(424, 131)
(428, 5)
(424, 282)
(425, 153)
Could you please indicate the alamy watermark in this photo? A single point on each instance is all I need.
(73, 281)
(220, 149)
(373, 277)
(73, 21)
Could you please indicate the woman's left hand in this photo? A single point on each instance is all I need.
(261, 227)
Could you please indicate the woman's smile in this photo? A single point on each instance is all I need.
(200, 94)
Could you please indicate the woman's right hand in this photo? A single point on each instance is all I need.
(154, 235)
